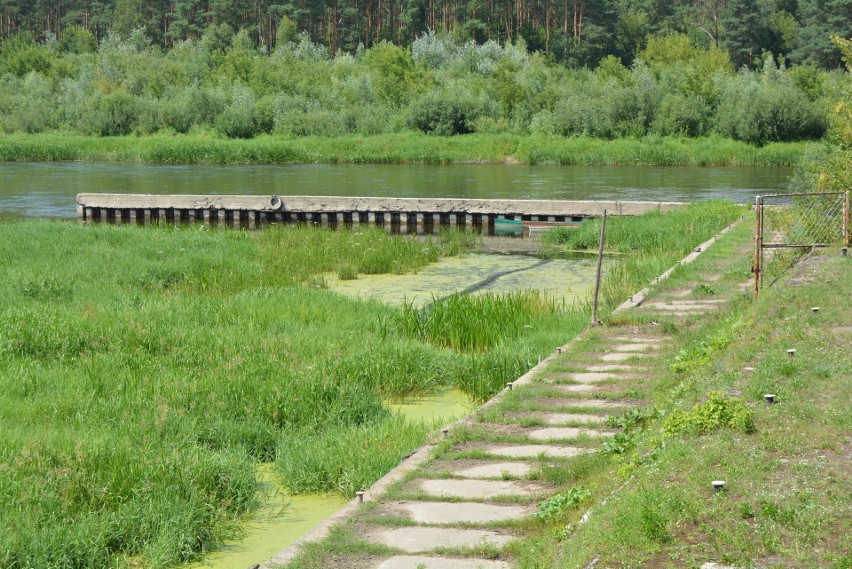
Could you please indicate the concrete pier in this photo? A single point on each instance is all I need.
(395, 215)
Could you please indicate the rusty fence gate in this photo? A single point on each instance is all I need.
(789, 225)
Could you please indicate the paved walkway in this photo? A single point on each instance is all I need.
(459, 510)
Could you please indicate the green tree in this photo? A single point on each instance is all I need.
(744, 31)
(820, 20)
(77, 39)
(128, 16)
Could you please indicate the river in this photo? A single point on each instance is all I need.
(48, 189)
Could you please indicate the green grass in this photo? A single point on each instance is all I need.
(401, 148)
(651, 242)
(786, 465)
(145, 373)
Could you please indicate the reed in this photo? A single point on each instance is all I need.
(144, 373)
(399, 148)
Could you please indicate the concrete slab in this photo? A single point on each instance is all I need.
(495, 470)
(563, 418)
(592, 403)
(418, 539)
(637, 339)
(635, 347)
(613, 367)
(667, 307)
(591, 377)
(556, 433)
(533, 451)
(476, 489)
(581, 388)
(620, 357)
(422, 562)
(462, 512)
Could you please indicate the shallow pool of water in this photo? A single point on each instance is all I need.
(437, 409)
(560, 279)
(280, 520)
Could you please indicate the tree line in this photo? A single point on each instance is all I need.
(225, 85)
(576, 32)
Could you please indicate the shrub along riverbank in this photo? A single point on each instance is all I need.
(399, 148)
(144, 373)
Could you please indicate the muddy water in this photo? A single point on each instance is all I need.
(561, 279)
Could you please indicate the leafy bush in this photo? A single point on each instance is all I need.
(767, 107)
(444, 113)
(111, 114)
(558, 505)
(681, 115)
(719, 411)
(238, 118)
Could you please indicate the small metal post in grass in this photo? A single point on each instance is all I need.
(595, 321)
(718, 486)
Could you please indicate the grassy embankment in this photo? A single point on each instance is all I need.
(406, 148)
(144, 373)
(787, 498)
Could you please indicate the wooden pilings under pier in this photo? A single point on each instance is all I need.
(413, 216)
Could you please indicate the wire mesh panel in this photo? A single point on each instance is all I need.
(789, 225)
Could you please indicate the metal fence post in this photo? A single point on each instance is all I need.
(598, 274)
(757, 242)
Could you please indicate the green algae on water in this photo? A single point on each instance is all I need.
(566, 280)
(280, 520)
(436, 409)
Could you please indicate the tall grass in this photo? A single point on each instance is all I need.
(398, 148)
(345, 459)
(472, 323)
(652, 242)
(144, 373)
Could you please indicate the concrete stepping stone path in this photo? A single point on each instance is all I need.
(635, 347)
(534, 451)
(564, 418)
(495, 470)
(422, 562)
(621, 357)
(556, 433)
(587, 403)
(461, 512)
(477, 489)
(420, 539)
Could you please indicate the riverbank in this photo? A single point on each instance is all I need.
(607, 454)
(146, 373)
(401, 148)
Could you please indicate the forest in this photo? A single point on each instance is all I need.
(756, 72)
(576, 32)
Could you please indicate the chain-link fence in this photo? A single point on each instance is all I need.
(790, 225)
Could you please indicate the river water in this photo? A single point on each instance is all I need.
(48, 189)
